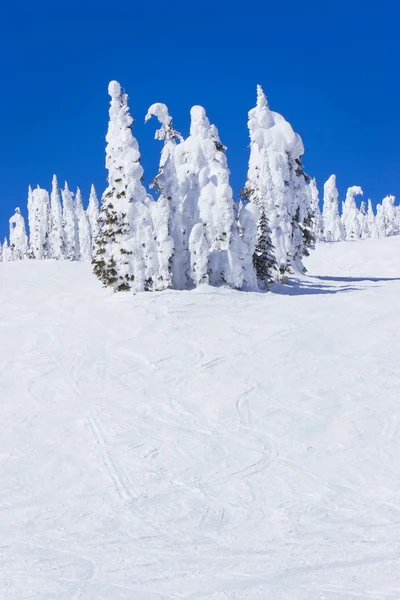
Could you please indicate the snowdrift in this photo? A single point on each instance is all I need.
(209, 444)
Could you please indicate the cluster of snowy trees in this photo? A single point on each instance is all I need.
(354, 222)
(59, 226)
(193, 232)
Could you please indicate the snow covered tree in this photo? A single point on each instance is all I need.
(350, 218)
(92, 213)
(71, 231)
(166, 212)
(56, 236)
(386, 217)
(18, 237)
(276, 181)
(363, 221)
(317, 221)
(206, 198)
(125, 251)
(85, 240)
(39, 222)
(372, 227)
(6, 253)
(248, 219)
(333, 228)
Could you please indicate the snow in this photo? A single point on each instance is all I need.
(212, 444)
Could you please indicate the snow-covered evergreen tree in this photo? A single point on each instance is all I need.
(350, 218)
(248, 220)
(6, 253)
(126, 251)
(333, 228)
(39, 223)
(92, 213)
(85, 240)
(317, 220)
(56, 236)
(71, 231)
(386, 217)
(18, 237)
(276, 181)
(371, 220)
(363, 221)
(167, 210)
(206, 198)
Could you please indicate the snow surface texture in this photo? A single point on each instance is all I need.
(202, 445)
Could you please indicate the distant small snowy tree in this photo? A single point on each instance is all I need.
(85, 240)
(18, 237)
(126, 251)
(317, 220)
(363, 221)
(39, 221)
(386, 217)
(92, 214)
(6, 253)
(71, 231)
(56, 235)
(350, 220)
(371, 220)
(333, 228)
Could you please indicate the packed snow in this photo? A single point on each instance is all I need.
(211, 444)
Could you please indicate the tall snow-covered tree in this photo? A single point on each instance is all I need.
(56, 235)
(167, 210)
(92, 213)
(350, 218)
(372, 227)
(85, 240)
(18, 237)
(126, 251)
(206, 199)
(70, 222)
(216, 205)
(333, 228)
(317, 220)
(39, 223)
(276, 181)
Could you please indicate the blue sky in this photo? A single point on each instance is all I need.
(330, 68)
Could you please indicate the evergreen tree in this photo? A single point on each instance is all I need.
(85, 241)
(39, 222)
(92, 214)
(350, 219)
(248, 219)
(317, 221)
(56, 237)
(167, 216)
(125, 253)
(372, 227)
(363, 221)
(263, 260)
(333, 228)
(18, 237)
(6, 253)
(71, 231)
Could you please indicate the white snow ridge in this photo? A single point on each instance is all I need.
(207, 444)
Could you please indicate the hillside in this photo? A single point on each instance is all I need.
(210, 444)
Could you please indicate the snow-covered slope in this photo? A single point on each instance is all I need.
(208, 444)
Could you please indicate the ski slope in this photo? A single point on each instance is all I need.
(202, 445)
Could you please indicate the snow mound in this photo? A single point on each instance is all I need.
(211, 444)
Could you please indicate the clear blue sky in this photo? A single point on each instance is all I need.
(331, 68)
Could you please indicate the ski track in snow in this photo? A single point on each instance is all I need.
(203, 445)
